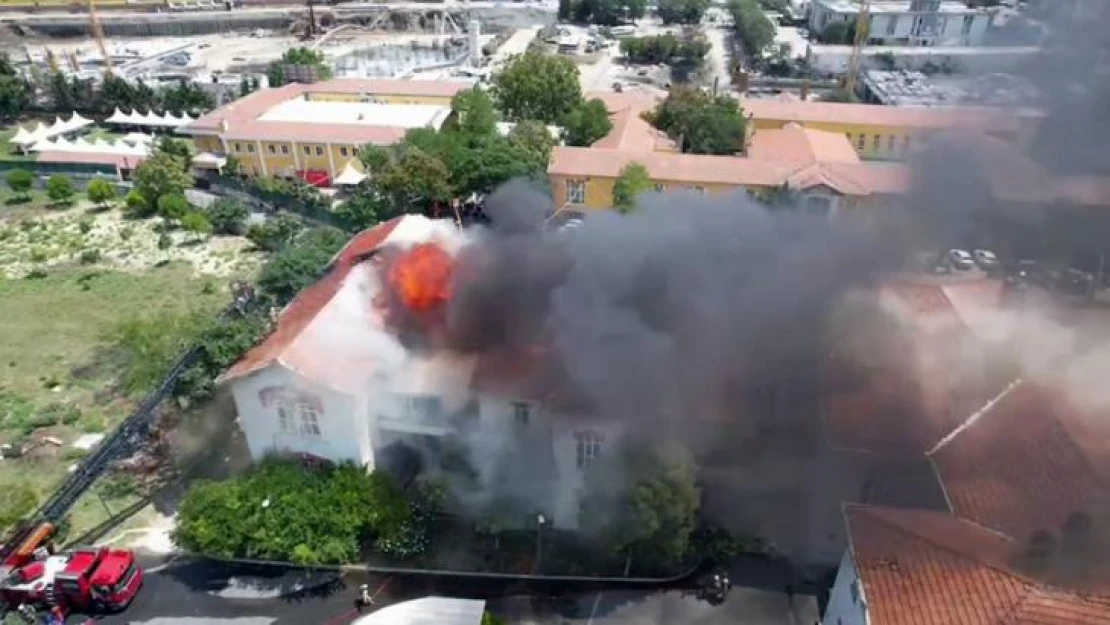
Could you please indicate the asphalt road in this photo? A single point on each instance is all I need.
(190, 592)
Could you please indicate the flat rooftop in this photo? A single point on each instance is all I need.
(895, 6)
(913, 88)
(360, 113)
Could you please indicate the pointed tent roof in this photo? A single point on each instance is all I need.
(118, 117)
(21, 136)
(351, 174)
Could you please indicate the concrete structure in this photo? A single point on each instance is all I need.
(912, 88)
(908, 22)
(315, 130)
(333, 382)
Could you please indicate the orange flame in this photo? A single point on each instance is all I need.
(421, 277)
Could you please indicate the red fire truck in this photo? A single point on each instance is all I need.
(86, 579)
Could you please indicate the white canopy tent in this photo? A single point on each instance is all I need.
(137, 138)
(350, 176)
(99, 146)
(149, 119)
(25, 138)
(209, 160)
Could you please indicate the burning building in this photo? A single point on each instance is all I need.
(361, 369)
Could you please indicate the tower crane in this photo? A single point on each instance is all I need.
(863, 25)
(98, 34)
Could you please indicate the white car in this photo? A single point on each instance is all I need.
(985, 259)
(961, 260)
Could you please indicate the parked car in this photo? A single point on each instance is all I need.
(961, 260)
(986, 260)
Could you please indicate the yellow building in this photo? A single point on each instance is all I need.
(821, 164)
(810, 147)
(312, 131)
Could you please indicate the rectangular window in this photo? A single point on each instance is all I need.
(271, 149)
(818, 205)
(319, 151)
(285, 418)
(968, 21)
(250, 148)
(307, 150)
(854, 587)
(285, 149)
(659, 188)
(876, 143)
(310, 420)
(861, 142)
(905, 143)
(698, 188)
(576, 192)
(890, 144)
(891, 24)
(522, 412)
(423, 407)
(343, 151)
(236, 148)
(587, 447)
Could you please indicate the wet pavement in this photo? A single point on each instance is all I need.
(192, 592)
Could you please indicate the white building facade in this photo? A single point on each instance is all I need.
(931, 23)
(847, 604)
(338, 387)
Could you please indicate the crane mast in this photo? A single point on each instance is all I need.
(863, 25)
(98, 34)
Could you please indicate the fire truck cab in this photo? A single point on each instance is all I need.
(85, 579)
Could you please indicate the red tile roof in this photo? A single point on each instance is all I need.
(1016, 468)
(795, 143)
(308, 303)
(920, 567)
(91, 158)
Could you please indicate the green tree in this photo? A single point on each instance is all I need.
(224, 342)
(59, 188)
(300, 264)
(490, 163)
(652, 517)
(173, 207)
(232, 166)
(533, 138)
(275, 74)
(413, 178)
(161, 174)
(754, 31)
(364, 209)
(586, 123)
(227, 216)
(15, 96)
(681, 11)
(275, 233)
(185, 96)
(196, 223)
(565, 10)
(477, 117)
(177, 149)
(20, 182)
(16, 502)
(100, 191)
(701, 122)
(281, 511)
(835, 33)
(633, 180)
(537, 86)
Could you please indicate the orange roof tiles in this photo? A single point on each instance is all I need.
(988, 119)
(307, 304)
(1016, 469)
(691, 168)
(798, 144)
(92, 158)
(919, 567)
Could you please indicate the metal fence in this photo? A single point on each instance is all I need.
(271, 201)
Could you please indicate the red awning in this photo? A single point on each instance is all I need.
(314, 177)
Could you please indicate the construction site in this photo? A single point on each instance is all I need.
(217, 43)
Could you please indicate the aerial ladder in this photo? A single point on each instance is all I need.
(98, 35)
(863, 25)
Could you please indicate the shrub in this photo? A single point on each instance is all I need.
(165, 241)
(101, 191)
(74, 454)
(37, 273)
(126, 233)
(20, 181)
(85, 226)
(227, 216)
(59, 188)
(90, 256)
(39, 255)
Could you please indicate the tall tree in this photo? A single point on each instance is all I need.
(681, 11)
(701, 122)
(634, 179)
(534, 139)
(115, 92)
(754, 31)
(537, 86)
(565, 10)
(476, 114)
(586, 123)
(15, 93)
(161, 174)
(177, 149)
